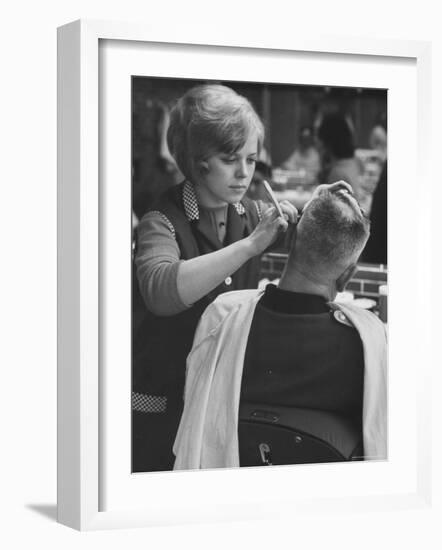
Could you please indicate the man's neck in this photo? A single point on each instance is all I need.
(294, 279)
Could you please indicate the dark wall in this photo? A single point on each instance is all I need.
(284, 109)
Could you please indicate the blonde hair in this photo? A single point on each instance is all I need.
(210, 119)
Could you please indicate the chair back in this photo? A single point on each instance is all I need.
(274, 435)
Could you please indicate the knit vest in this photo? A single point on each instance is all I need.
(161, 345)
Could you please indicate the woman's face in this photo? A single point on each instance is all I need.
(225, 178)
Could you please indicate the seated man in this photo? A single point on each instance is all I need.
(290, 345)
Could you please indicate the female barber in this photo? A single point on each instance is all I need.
(202, 238)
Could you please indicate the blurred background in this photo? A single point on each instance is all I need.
(314, 135)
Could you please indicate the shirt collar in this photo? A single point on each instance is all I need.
(191, 204)
(287, 301)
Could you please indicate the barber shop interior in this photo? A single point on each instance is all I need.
(304, 139)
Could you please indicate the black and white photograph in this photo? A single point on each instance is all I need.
(259, 274)
(197, 347)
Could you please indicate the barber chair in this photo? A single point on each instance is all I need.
(270, 435)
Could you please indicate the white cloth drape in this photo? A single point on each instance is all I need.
(208, 433)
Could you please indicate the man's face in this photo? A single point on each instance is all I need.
(370, 177)
(340, 188)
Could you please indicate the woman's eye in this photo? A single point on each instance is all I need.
(251, 160)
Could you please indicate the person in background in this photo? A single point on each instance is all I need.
(337, 142)
(305, 157)
(369, 182)
(378, 139)
(376, 249)
(202, 238)
(290, 345)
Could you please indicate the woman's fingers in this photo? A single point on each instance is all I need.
(268, 228)
(273, 219)
(276, 223)
(289, 210)
(341, 184)
(270, 214)
(282, 224)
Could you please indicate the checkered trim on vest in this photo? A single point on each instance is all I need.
(191, 204)
(258, 210)
(142, 402)
(167, 221)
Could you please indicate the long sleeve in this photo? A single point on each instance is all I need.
(157, 262)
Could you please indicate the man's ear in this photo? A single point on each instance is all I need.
(345, 277)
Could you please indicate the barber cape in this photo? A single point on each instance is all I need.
(208, 433)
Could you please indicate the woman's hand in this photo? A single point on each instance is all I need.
(289, 210)
(267, 230)
(331, 188)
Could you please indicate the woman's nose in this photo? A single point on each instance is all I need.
(241, 169)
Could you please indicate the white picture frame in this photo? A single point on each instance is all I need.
(81, 295)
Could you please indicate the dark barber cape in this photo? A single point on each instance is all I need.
(299, 355)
